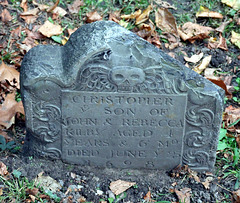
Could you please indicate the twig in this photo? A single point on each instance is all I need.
(53, 7)
(223, 188)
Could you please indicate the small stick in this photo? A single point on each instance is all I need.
(53, 7)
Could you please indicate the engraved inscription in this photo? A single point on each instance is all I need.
(110, 128)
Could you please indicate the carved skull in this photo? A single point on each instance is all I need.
(127, 77)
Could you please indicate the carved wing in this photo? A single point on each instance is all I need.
(156, 81)
(94, 78)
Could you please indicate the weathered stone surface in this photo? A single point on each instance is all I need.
(110, 99)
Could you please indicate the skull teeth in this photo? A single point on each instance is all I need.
(124, 88)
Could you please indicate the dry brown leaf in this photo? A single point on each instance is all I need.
(34, 33)
(207, 182)
(184, 195)
(8, 110)
(203, 65)
(4, 2)
(59, 11)
(24, 5)
(42, 7)
(132, 15)
(70, 31)
(233, 114)
(29, 19)
(93, 16)
(148, 198)
(206, 13)
(16, 33)
(30, 16)
(74, 8)
(236, 196)
(115, 16)
(221, 84)
(5, 16)
(210, 73)
(222, 43)
(194, 58)
(222, 27)
(32, 12)
(192, 31)
(5, 135)
(166, 21)
(34, 191)
(164, 4)
(3, 169)
(144, 16)
(47, 182)
(119, 186)
(9, 74)
(48, 29)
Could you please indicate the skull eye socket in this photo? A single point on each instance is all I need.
(118, 77)
(135, 77)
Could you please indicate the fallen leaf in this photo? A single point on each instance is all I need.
(70, 31)
(48, 29)
(207, 182)
(148, 198)
(5, 135)
(233, 114)
(164, 4)
(8, 110)
(210, 73)
(59, 11)
(203, 65)
(34, 191)
(183, 195)
(236, 196)
(5, 16)
(31, 12)
(206, 13)
(9, 74)
(33, 198)
(222, 43)
(48, 183)
(144, 16)
(194, 58)
(221, 84)
(24, 5)
(93, 16)
(16, 33)
(74, 8)
(30, 16)
(235, 39)
(4, 2)
(3, 169)
(132, 15)
(119, 186)
(115, 16)
(42, 7)
(222, 27)
(192, 31)
(166, 21)
(235, 4)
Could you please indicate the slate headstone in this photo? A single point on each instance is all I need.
(110, 99)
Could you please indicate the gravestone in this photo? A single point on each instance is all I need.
(110, 99)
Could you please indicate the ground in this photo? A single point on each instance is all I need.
(19, 33)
